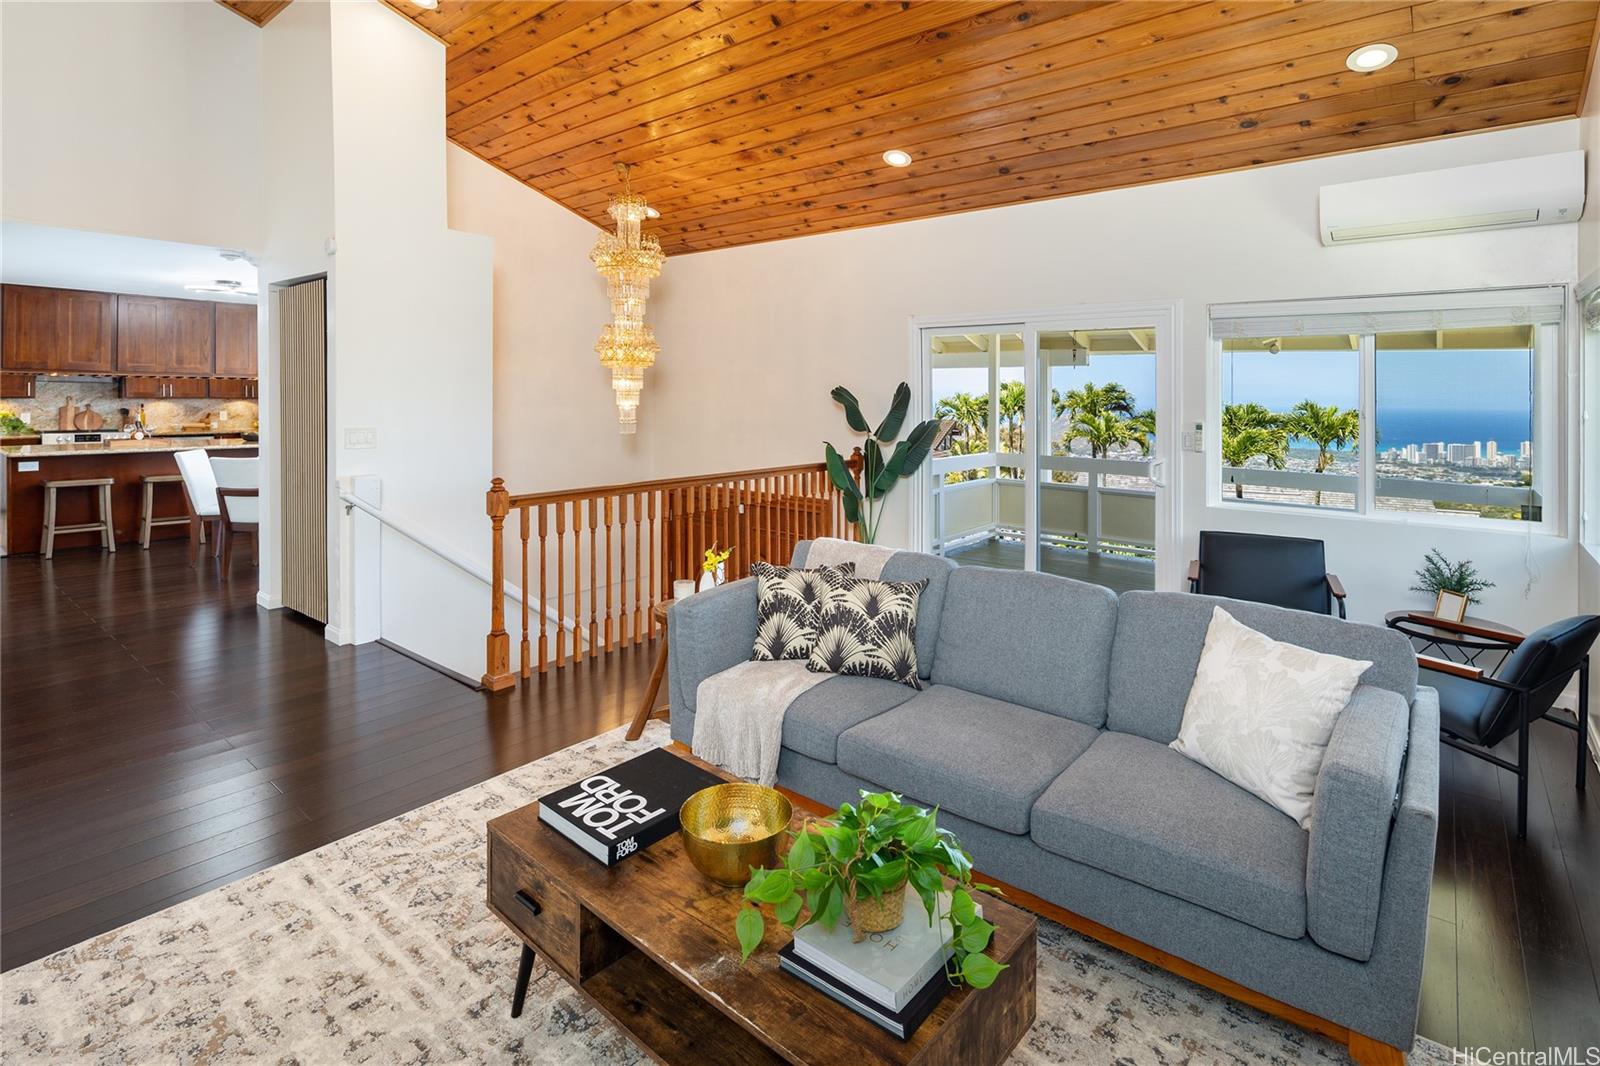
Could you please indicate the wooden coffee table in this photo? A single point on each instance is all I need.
(650, 942)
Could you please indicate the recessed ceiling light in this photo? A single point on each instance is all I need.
(650, 212)
(896, 158)
(429, 4)
(1370, 57)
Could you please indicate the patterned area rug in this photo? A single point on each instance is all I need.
(379, 949)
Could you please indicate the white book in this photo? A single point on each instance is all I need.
(887, 968)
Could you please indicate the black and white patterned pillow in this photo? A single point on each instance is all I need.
(787, 598)
(869, 629)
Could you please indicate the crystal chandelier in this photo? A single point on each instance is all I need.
(627, 260)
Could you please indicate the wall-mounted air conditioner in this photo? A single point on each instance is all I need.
(1538, 191)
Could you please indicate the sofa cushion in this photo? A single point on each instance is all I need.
(1032, 639)
(1138, 809)
(912, 566)
(1160, 634)
(817, 716)
(981, 758)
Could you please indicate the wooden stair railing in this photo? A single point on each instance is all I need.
(594, 561)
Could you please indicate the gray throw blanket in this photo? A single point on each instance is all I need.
(831, 551)
(738, 719)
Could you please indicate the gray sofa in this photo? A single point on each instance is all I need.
(1041, 732)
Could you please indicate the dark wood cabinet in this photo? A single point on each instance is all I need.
(64, 330)
(234, 389)
(156, 335)
(163, 388)
(236, 341)
(18, 386)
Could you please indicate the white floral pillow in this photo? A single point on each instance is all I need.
(1261, 711)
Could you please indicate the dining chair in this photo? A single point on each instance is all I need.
(200, 489)
(1478, 708)
(239, 504)
(1285, 571)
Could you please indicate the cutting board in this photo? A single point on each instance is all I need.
(88, 419)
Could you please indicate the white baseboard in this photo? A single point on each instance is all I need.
(271, 603)
(335, 635)
(1594, 741)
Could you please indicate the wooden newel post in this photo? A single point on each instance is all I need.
(498, 675)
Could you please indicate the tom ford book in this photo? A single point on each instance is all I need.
(614, 813)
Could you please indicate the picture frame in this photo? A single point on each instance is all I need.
(1451, 606)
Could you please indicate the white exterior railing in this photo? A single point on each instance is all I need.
(1392, 487)
(1093, 513)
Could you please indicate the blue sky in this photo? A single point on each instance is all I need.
(1460, 380)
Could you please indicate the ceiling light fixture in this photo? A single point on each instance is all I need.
(628, 259)
(426, 4)
(897, 158)
(222, 285)
(1371, 57)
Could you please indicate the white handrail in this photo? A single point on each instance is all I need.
(512, 591)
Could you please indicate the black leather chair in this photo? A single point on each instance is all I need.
(1478, 710)
(1285, 571)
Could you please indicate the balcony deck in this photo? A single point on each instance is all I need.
(1120, 573)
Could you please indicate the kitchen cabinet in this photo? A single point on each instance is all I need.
(163, 388)
(62, 330)
(156, 335)
(234, 389)
(18, 386)
(236, 341)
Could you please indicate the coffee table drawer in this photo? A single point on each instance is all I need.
(531, 902)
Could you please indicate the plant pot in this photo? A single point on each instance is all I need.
(879, 915)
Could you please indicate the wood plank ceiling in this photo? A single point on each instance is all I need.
(258, 11)
(754, 121)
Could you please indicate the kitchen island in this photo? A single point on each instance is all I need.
(126, 462)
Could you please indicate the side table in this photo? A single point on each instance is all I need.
(1470, 638)
(643, 715)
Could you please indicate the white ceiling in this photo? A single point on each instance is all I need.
(75, 259)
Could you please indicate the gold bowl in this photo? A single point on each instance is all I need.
(729, 828)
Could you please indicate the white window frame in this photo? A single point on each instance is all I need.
(1552, 459)
(1585, 381)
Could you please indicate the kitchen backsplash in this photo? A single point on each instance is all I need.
(163, 416)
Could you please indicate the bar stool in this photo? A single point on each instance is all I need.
(108, 536)
(147, 518)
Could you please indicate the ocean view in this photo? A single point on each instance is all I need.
(1398, 428)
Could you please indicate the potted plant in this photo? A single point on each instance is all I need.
(1438, 574)
(858, 862)
(878, 474)
(714, 567)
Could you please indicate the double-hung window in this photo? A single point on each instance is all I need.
(1439, 407)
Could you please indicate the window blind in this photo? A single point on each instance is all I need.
(1387, 314)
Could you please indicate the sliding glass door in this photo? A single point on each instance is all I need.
(1051, 454)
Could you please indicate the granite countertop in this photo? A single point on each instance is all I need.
(124, 447)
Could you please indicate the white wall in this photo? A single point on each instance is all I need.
(1589, 271)
(1589, 137)
(297, 221)
(753, 338)
(550, 389)
(411, 331)
(135, 118)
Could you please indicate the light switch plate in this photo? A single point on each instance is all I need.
(361, 437)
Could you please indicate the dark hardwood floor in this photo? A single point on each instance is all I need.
(160, 735)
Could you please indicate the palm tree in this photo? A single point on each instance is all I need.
(971, 413)
(1105, 431)
(1142, 427)
(1328, 427)
(1094, 399)
(1013, 410)
(1250, 430)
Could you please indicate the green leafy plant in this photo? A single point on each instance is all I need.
(12, 426)
(1439, 574)
(862, 505)
(864, 851)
